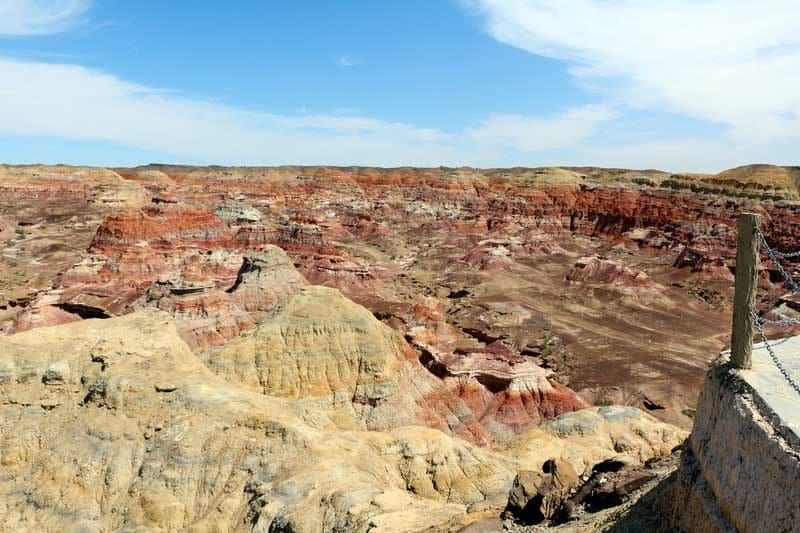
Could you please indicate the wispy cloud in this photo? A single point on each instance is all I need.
(346, 60)
(93, 105)
(40, 17)
(528, 134)
(731, 62)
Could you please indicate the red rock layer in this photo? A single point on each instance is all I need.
(162, 228)
(494, 392)
(177, 258)
(457, 197)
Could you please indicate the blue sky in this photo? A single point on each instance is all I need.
(672, 85)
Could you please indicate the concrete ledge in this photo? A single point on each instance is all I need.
(776, 400)
(743, 458)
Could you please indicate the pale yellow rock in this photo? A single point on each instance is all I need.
(144, 437)
(589, 436)
(116, 452)
(321, 347)
(318, 343)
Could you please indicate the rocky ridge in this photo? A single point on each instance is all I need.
(116, 424)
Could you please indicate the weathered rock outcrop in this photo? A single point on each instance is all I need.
(320, 262)
(508, 393)
(320, 345)
(265, 279)
(132, 430)
(182, 260)
(115, 424)
(204, 315)
(161, 227)
(237, 212)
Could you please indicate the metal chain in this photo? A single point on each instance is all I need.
(796, 253)
(787, 254)
(780, 321)
(759, 322)
(774, 356)
(795, 288)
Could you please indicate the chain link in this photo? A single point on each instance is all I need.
(774, 356)
(785, 321)
(775, 261)
(759, 322)
(787, 255)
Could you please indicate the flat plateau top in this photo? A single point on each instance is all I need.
(770, 384)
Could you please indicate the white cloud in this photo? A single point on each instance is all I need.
(69, 101)
(355, 124)
(732, 62)
(529, 134)
(681, 155)
(39, 17)
(691, 154)
(347, 60)
(91, 105)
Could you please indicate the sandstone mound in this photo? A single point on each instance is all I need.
(321, 346)
(266, 278)
(539, 176)
(761, 177)
(131, 430)
(507, 392)
(319, 343)
(114, 424)
(147, 176)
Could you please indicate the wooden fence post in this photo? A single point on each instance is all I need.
(744, 299)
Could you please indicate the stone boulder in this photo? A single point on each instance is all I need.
(267, 278)
(537, 496)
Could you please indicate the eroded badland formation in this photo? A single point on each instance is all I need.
(317, 349)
